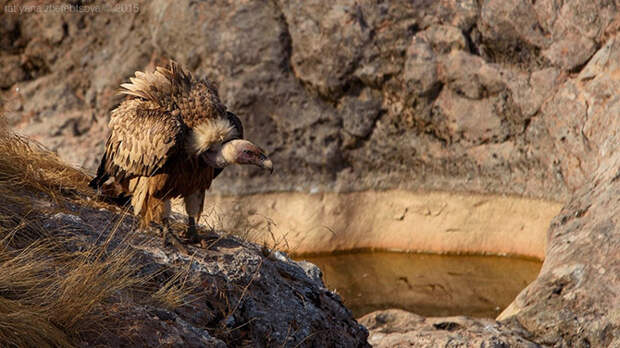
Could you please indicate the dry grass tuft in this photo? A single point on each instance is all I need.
(22, 326)
(30, 166)
(246, 225)
(53, 292)
(174, 292)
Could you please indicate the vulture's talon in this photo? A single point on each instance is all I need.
(192, 237)
(191, 234)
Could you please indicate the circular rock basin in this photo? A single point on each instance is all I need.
(429, 285)
(453, 223)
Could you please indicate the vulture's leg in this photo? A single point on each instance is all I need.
(191, 227)
(165, 231)
(194, 204)
(162, 210)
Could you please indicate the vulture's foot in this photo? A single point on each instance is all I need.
(209, 240)
(191, 234)
(174, 240)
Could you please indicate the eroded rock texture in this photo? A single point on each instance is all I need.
(397, 328)
(346, 95)
(232, 294)
(510, 96)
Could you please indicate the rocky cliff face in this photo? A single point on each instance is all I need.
(346, 95)
(510, 96)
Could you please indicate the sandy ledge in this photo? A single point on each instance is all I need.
(435, 222)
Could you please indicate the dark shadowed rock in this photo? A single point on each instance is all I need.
(12, 71)
(359, 113)
(236, 293)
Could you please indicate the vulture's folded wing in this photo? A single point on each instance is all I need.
(142, 140)
(236, 122)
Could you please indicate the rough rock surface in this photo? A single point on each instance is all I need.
(576, 299)
(346, 95)
(397, 328)
(239, 293)
(510, 96)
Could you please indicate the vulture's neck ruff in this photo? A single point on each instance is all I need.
(209, 133)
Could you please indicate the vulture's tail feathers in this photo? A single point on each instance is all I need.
(101, 177)
(109, 193)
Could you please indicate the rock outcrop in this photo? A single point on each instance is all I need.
(575, 299)
(77, 271)
(396, 328)
(510, 97)
(234, 294)
(346, 95)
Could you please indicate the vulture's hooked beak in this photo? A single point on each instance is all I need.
(267, 164)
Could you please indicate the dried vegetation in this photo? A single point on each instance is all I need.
(54, 288)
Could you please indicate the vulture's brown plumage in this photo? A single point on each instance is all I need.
(170, 139)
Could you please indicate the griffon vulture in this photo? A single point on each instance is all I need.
(170, 139)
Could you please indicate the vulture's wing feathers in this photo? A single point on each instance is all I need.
(236, 122)
(142, 140)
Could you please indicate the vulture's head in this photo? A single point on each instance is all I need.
(237, 151)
